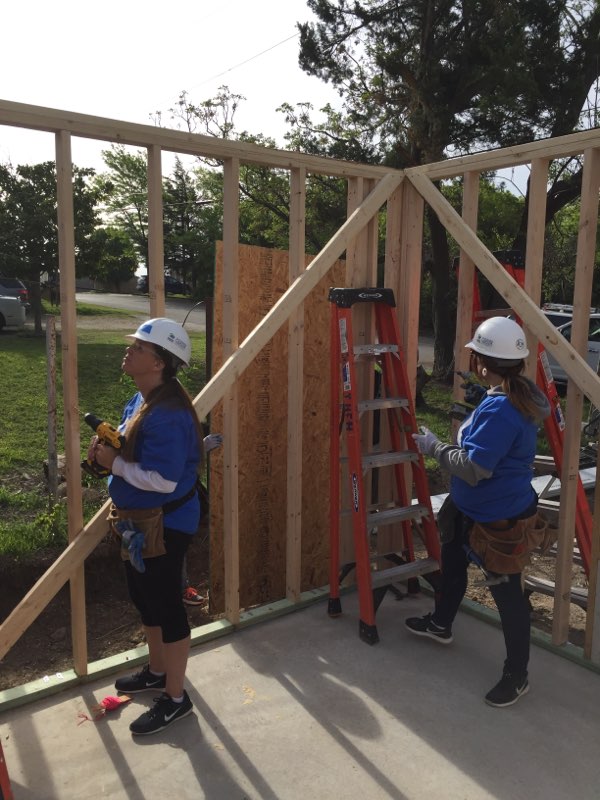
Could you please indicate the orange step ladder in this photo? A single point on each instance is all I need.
(404, 459)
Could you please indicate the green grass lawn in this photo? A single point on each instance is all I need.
(28, 520)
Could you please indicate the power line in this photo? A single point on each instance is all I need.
(242, 63)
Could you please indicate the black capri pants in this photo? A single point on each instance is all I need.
(156, 593)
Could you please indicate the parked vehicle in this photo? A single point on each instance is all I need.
(561, 316)
(593, 347)
(13, 287)
(172, 285)
(561, 313)
(12, 312)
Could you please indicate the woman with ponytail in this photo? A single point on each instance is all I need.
(491, 468)
(153, 487)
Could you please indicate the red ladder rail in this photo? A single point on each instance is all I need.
(5, 790)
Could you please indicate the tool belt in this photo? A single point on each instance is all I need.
(150, 522)
(505, 546)
(147, 520)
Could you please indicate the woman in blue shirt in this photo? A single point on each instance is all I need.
(157, 469)
(491, 468)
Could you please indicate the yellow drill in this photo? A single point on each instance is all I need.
(107, 435)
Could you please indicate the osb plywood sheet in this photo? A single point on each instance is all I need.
(262, 446)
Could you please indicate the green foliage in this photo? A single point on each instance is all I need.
(19, 501)
(27, 524)
(425, 77)
(51, 525)
(560, 254)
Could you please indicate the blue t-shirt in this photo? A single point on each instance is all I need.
(500, 439)
(167, 442)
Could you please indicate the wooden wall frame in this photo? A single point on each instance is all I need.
(370, 188)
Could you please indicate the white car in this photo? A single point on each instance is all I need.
(12, 313)
(593, 348)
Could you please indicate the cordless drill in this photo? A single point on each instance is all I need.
(107, 435)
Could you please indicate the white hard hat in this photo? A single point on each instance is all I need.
(168, 334)
(501, 338)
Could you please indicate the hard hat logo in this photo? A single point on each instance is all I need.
(485, 342)
(177, 342)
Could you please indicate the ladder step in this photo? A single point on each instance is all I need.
(415, 511)
(422, 566)
(370, 460)
(383, 402)
(374, 349)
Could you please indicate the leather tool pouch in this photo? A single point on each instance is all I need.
(450, 521)
(506, 551)
(147, 520)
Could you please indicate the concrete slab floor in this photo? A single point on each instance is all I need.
(298, 707)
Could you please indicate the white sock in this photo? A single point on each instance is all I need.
(177, 699)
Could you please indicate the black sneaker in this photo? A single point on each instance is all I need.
(142, 681)
(507, 691)
(423, 626)
(162, 714)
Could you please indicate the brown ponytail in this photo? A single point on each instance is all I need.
(514, 385)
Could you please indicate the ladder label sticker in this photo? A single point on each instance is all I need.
(548, 376)
(343, 336)
(558, 415)
(346, 376)
(355, 491)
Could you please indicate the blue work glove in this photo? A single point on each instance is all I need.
(136, 545)
(474, 393)
(132, 540)
(425, 441)
(212, 441)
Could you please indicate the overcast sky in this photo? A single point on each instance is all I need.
(125, 59)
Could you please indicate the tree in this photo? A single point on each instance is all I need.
(190, 228)
(29, 227)
(125, 187)
(433, 79)
(116, 259)
(265, 193)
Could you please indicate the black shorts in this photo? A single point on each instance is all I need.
(157, 594)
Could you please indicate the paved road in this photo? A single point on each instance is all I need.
(175, 308)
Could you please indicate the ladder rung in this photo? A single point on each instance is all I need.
(374, 349)
(400, 514)
(383, 402)
(370, 460)
(422, 566)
